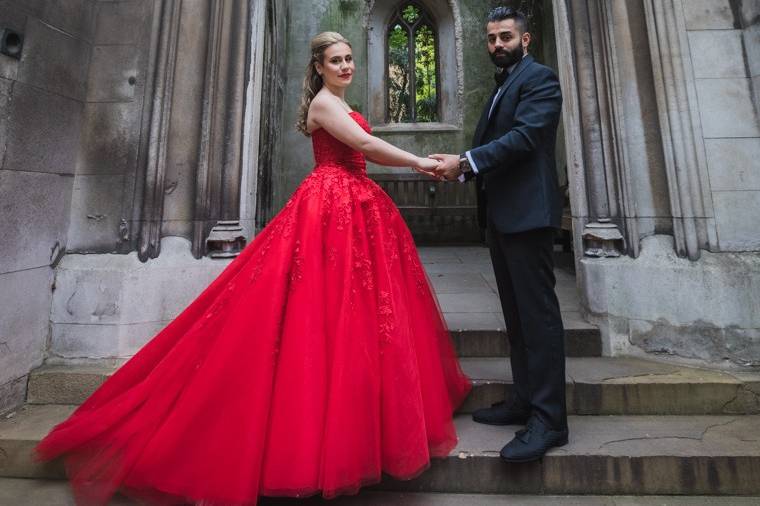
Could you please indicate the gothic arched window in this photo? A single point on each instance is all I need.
(412, 66)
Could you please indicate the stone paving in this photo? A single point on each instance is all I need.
(465, 284)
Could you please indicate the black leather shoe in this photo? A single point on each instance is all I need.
(533, 442)
(501, 413)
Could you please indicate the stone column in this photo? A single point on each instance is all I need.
(253, 111)
(681, 129)
(217, 200)
(271, 121)
(597, 156)
(157, 111)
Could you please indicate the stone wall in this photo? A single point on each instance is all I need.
(104, 179)
(690, 289)
(43, 99)
(724, 42)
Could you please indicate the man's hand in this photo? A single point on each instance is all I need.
(449, 166)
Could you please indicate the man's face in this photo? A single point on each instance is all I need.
(505, 42)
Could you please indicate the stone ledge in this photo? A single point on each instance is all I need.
(20, 492)
(595, 386)
(680, 455)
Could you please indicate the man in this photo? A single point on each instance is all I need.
(513, 164)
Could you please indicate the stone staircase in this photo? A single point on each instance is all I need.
(638, 427)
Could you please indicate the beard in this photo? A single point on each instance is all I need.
(505, 58)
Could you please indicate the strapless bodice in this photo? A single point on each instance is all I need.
(329, 151)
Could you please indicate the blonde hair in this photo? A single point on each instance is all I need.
(312, 81)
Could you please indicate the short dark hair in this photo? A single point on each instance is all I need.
(502, 12)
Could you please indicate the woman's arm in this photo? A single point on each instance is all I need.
(327, 113)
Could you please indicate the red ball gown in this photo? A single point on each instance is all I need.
(316, 361)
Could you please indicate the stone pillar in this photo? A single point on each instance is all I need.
(253, 112)
(681, 129)
(271, 121)
(600, 162)
(218, 178)
(163, 57)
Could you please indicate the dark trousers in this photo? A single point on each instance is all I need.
(524, 266)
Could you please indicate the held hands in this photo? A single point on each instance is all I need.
(448, 167)
(442, 167)
(428, 166)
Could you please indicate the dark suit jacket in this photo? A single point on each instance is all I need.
(514, 152)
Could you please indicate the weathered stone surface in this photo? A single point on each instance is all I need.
(752, 47)
(736, 215)
(101, 340)
(20, 433)
(595, 386)
(111, 67)
(15, 19)
(110, 305)
(68, 384)
(699, 341)
(25, 304)
(726, 108)
(95, 213)
(460, 283)
(580, 341)
(625, 386)
(606, 455)
(709, 15)
(74, 17)
(42, 131)
(717, 53)
(12, 394)
(120, 22)
(635, 297)
(35, 208)
(733, 164)
(6, 86)
(54, 61)
(473, 303)
(110, 138)
(20, 492)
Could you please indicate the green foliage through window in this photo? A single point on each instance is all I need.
(412, 66)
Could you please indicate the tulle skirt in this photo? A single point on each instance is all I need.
(315, 362)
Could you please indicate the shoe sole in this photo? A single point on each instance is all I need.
(533, 459)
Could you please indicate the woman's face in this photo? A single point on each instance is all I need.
(337, 67)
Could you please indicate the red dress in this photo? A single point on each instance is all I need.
(316, 361)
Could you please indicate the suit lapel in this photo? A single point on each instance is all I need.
(524, 63)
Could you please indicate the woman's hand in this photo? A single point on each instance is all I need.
(427, 166)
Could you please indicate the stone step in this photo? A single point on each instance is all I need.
(595, 386)
(464, 282)
(627, 386)
(581, 340)
(21, 492)
(607, 455)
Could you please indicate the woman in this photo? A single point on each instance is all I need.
(316, 361)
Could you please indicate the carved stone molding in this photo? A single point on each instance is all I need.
(220, 150)
(271, 122)
(602, 164)
(253, 112)
(681, 129)
(159, 91)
